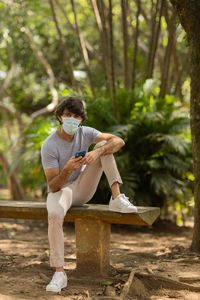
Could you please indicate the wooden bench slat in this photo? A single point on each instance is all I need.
(38, 211)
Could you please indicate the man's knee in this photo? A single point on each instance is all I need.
(59, 203)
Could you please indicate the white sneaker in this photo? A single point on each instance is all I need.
(58, 282)
(122, 204)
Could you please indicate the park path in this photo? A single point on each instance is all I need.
(161, 251)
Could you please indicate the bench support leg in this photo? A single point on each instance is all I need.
(92, 246)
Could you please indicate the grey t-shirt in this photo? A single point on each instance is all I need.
(55, 152)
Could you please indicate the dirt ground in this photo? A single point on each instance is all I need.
(159, 251)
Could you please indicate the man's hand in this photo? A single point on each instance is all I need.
(75, 163)
(91, 156)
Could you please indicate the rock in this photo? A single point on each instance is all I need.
(110, 291)
(137, 288)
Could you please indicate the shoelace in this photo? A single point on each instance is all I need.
(126, 199)
(55, 278)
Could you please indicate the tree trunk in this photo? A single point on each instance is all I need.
(125, 42)
(167, 56)
(105, 40)
(106, 29)
(83, 48)
(154, 37)
(195, 129)
(65, 51)
(179, 79)
(103, 36)
(174, 70)
(73, 28)
(135, 45)
(15, 188)
(188, 12)
(111, 60)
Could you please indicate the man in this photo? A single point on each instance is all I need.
(73, 181)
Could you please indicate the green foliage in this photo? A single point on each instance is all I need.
(156, 162)
(23, 153)
(99, 113)
(159, 155)
(31, 172)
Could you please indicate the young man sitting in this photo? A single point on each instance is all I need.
(73, 181)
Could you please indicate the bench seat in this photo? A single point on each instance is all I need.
(92, 227)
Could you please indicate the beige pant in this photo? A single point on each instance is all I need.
(76, 193)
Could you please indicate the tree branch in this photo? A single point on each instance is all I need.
(87, 44)
(103, 35)
(66, 55)
(11, 110)
(83, 48)
(6, 108)
(10, 73)
(15, 187)
(50, 74)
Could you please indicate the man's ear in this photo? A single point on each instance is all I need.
(60, 120)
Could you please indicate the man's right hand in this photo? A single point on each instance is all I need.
(57, 180)
(75, 163)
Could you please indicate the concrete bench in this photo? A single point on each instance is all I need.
(92, 227)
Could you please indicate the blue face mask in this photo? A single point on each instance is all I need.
(70, 125)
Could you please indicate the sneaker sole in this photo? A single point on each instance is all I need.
(123, 211)
(56, 291)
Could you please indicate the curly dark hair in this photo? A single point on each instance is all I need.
(74, 105)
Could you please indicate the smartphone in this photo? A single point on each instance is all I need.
(80, 153)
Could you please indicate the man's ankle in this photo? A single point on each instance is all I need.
(115, 196)
(61, 269)
(115, 190)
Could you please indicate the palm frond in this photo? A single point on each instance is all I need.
(175, 164)
(119, 130)
(174, 143)
(164, 183)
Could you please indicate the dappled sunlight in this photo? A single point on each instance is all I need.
(130, 251)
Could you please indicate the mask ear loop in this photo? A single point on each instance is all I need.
(80, 124)
(61, 122)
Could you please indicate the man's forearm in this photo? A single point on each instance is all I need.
(113, 145)
(56, 183)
